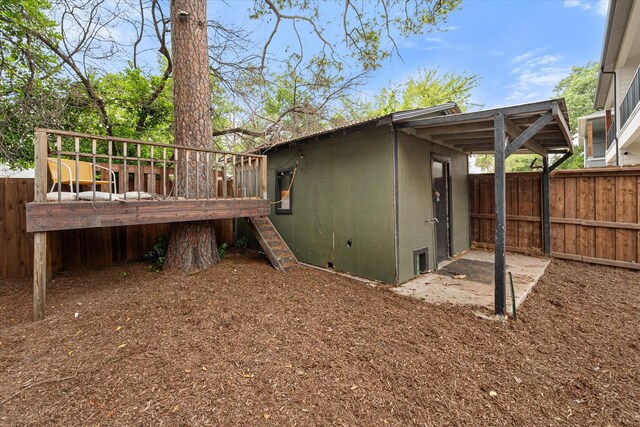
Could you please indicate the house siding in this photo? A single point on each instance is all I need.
(343, 191)
(415, 201)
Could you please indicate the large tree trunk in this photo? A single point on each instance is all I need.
(192, 246)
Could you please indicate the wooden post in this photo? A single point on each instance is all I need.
(263, 178)
(124, 188)
(234, 179)
(501, 214)
(589, 140)
(40, 238)
(546, 210)
(607, 125)
(224, 176)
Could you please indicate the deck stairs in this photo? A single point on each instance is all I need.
(272, 243)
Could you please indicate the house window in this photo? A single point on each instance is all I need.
(284, 191)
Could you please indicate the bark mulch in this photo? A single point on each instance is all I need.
(242, 344)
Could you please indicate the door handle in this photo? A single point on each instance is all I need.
(433, 220)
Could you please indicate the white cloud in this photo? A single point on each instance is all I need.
(577, 3)
(432, 42)
(602, 7)
(546, 59)
(598, 6)
(532, 62)
(434, 39)
(536, 73)
(523, 57)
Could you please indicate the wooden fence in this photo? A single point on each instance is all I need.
(73, 249)
(595, 214)
(524, 207)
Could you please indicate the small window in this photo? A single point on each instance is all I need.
(284, 191)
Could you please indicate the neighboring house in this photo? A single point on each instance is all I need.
(388, 198)
(592, 136)
(7, 172)
(618, 91)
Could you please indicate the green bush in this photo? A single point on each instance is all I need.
(157, 255)
(241, 243)
(222, 250)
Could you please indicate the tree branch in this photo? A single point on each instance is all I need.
(239, 130)
(98, 101)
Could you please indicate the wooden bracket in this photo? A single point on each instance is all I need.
(560, 161)
(526, 137)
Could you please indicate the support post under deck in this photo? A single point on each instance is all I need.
(39, 275)
(501, 214)
(40, 238)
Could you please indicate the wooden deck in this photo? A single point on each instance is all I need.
(103, 181)
(47, 216)
(211, 184)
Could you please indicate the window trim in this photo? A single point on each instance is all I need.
(279, 209)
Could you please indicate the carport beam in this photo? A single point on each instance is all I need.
(501, 214)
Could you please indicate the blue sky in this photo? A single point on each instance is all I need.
(519, 49)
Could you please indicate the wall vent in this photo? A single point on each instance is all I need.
(420, 261)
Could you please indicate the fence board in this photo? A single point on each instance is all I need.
(595, 214)
(73, 249)
(569, 211)
(523, 206)
(557, 190)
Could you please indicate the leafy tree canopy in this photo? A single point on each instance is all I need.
(579, 91)
(428, 88)
(28, 96)
(65, 64)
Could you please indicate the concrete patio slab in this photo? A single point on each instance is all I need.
(468, 280)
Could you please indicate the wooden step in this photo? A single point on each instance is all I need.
(272, 243)
(276, 246)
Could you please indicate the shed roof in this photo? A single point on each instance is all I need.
(473, 133)
(395, 117)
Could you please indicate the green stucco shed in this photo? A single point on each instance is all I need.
(362, 197)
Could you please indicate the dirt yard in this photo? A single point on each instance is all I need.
(245, 345)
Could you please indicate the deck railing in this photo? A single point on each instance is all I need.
(611, 134)
(631, 99)
(101, 168)
(599, 150)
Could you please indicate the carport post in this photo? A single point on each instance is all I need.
(501, 213)
(546, 213)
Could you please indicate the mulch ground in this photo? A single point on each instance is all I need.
(242, 344)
